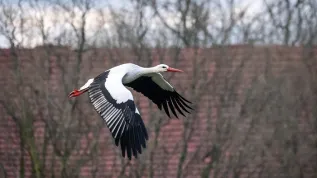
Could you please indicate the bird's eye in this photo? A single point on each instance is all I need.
(164, 67)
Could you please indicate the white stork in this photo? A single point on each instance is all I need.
(114, 102)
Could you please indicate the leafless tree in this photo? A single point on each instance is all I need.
(38, 103)
(248, 118)
(222, 87)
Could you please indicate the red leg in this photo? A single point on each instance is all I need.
(76, 93)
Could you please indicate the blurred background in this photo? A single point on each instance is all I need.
(250, 71)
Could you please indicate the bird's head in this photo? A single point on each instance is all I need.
(166, 68)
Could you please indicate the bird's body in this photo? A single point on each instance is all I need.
(115, 104)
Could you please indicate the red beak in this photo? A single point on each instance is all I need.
(170, 69)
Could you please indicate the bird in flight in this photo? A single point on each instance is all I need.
(114, 102)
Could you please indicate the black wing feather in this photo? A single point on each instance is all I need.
(164, 99)
(125, 124)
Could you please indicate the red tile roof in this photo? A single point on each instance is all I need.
(80, 130)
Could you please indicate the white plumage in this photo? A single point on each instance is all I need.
(114, 102)
(115, 87)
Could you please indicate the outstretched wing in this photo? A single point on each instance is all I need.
(157, 89)
(114, 102)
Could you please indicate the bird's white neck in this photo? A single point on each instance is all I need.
(145, 70)
(134, 74)
(148, 70)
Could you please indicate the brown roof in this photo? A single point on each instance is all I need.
(222, 130)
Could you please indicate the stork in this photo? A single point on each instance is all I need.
(114, 102)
